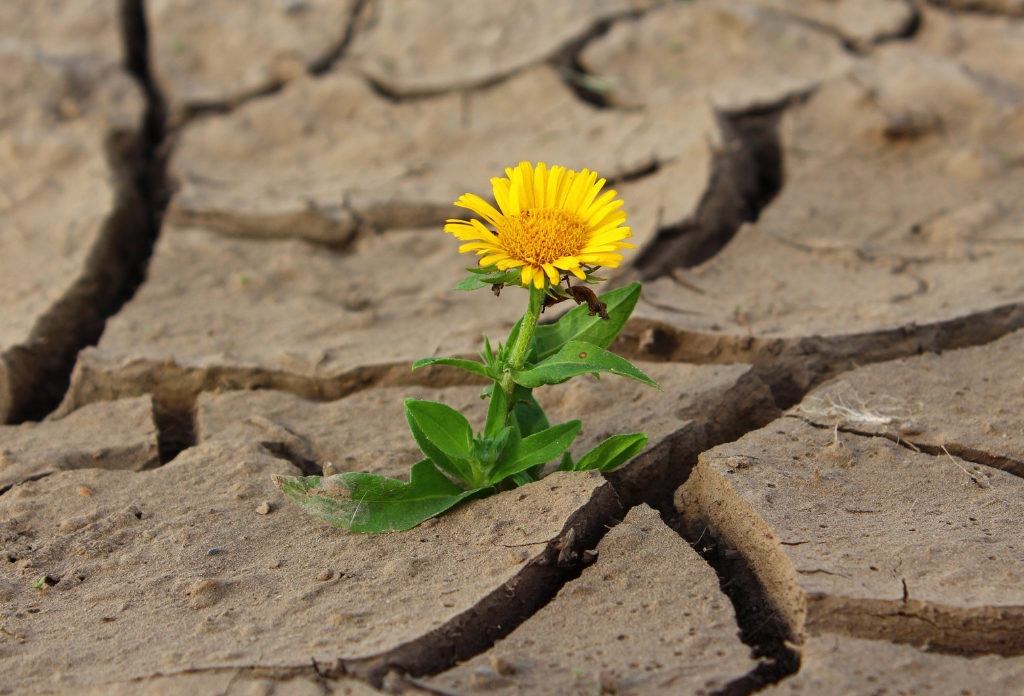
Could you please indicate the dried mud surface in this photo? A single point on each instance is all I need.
(646, 617)
(220, 251)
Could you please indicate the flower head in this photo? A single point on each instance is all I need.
(548, 222)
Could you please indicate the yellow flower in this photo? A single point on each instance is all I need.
(548, 221)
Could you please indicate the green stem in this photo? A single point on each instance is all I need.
(517, 355)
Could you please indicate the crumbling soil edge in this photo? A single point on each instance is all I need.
(711, 507)
(791, 366)
(176, 388)
(760, 626)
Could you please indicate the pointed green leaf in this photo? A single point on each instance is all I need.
(566, 463)
(497, 412)
(612, 453)
(444, 436)
(534, 450)
(578, 358)
(475, 281)
(523, 478)
(373, 504)
(577, 324)
(488, 354)
(505, 348)
(477, 368)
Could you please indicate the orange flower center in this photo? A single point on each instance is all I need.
(543, 235)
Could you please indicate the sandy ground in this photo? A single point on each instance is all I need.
(220, 248)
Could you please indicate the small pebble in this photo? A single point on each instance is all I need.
(326, 575)
(215, 551)
(501, 666)
(609, 684)
(85, 491)
(264, 508)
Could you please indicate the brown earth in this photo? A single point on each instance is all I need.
(220, 249)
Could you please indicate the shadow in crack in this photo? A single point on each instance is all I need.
(747, 174)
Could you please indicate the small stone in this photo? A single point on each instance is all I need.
(203, 593)
(609, 684)
(325, 575)
(215, 551)
(264, 508)
(501, 666)
(483, 678)
(85, 491)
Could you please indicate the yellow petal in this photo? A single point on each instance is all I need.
(540, 184)
(481, 246)
(599, 249)
(591, 194)
(479, 206)
(493, 258)
(578, 190)
(600, 259)
(527, 274)
(525, 171)
(538, 280)
(563, 188)
(612, 235)
(578, 272)
(600, 214)
(552, 273)
(566, 263)
(515, 192)
(609, 224)
(500, 188)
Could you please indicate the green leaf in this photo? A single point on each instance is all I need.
(513, 334)
(610, 454)
(577, 324)
(537, 449)
(528, 413)
(444, 436)
(477, 368)
(488, 354)
(578, 358)
(497, 412)
(487, 451)
(475, 280)
(373, 504)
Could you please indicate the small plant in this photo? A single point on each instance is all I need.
(552, 229)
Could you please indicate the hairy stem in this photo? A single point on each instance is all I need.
(517, 355)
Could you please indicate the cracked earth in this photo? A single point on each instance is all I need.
(221, 250)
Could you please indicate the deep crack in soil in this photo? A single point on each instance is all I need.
(747, 173)
(40, 373)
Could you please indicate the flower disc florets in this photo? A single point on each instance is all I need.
(548, 222)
